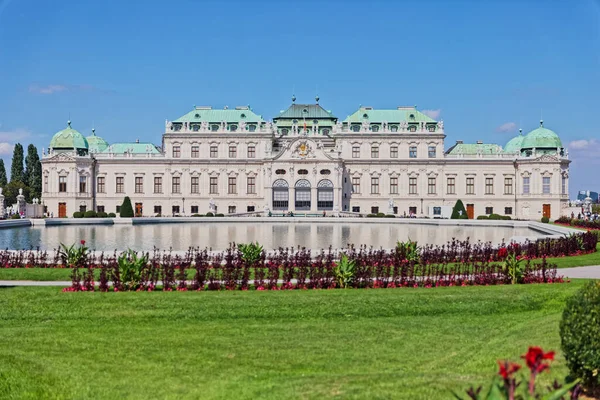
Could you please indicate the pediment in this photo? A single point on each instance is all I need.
(60, 157)
(304, 149)
(548, 158)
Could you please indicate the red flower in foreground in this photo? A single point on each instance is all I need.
(535, 357)
(502, 252)
(83, 242)
(507, 369)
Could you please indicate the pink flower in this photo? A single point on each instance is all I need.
(82, 242)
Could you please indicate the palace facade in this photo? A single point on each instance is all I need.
(306, 160)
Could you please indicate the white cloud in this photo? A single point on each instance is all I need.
(584, 150)
(14, 135)
(51, 89)
(507, 127)
(582, 144)
(6, 149)
(432, 113)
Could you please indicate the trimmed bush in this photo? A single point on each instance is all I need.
(390, 216)
(580, 335)
(77, 214)
(545, 220)
(494, 217)
(197, 215)
(15, 216)
(456, 211)
(126, 208)
(219, 215)
(101, 214)
(90, 214)
(371, 215)
(505, 217)
(209, 214)
(482, 217)
(380, 215)
(112, 215)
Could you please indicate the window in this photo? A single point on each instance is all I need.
(195, 151)
(251, 128)
(412, 152)
(355, 184)
(101, 185)
(431, 186)
(374, 185)
(195, 187)
(232, 128)
(356, 209)
(489, 185)
(157, 184)
(451, 184)
(176, 151)
(45, 183)
(412, 185)
(100, 209)
(393, 185)
(251, 185)
(325, 131)
(412, 128)
(546, 185)
(231, 185)
(251, 152)
(564, 185)
(194, 209)
(394, 128)
(62, 183)
(507, 210)
(412, 210)
(120, 184)
(326, 172)
(437, 210)
(214, 128)
(355, 152)
(355, 128)
(431, 128)
(175, 210)
(214, 151)
(158, 210)
(213, 186)
(470, 185)
(231, 209)
(285, 131)
(176, 185)
(280, 172)
(526, 185)
(375, 151)
(118, 209)
(489, 210)
(82, 184)
(508, 186)
(394, 152)
(250, 208)
(302, 172)
(82, 208)
(374, 128)
(431, 151)
(139, 184)
(232, 151)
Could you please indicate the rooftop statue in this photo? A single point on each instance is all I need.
(440, 125)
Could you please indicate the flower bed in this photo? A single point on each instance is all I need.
(580, 223)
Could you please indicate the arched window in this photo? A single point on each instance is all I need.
(251, 128)
(214, 128)
(394, 128)
(374, 128)
(325, 195)
(302, 189)
(325, 131)
(232, 128)
(355, 128)
(280, 194)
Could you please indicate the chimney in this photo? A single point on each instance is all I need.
(480, 142)
(459, 142)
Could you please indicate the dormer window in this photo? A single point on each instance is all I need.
(285, 131)
(412, 128)
(243, 115)
(365, 116)
(411, 117)
(197, 116)
(325, 131)
(394, 128)
(214, 128)
(315, 121)
(305, 111)
(295, 121)
(232, 128)
(431, 128)
(374, 128)
(355, 128)
(251, 128)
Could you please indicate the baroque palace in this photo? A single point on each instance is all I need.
(307, 161)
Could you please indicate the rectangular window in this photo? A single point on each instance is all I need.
(431, 186)
(251, 152)
(507, 210)
(176, 185)
(100, 209)
(194, 209)
(489, 210)
(546, 185)
(195, 185)
(489, 185)
(176, 151)
(374, 185)
(158, 210)
(82, 208)
(62, 183)
(231, 209)
(564, 185)
(251, 185)
(470, 185)
(412, 152)
(374, 210)
(250, 208)
(394, 152)
(82, 184)
(526, 185)
(195, 151)
(374, 151)
(139, 184)
(157, 184)
(101, 184)
(356, 209)
(45, 183)
(412, 185)
(231, 185)
(412, 210)
(431, 151)
(355, 152)
(355, 184)
(451, 186)
(508, 186)
(214, 151)
(175, 210)
(118, 209)
(213, 187)
(232, 151)
(120, 187)
(393, 185)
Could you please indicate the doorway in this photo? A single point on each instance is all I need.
(546, 210)
(471, 211)
(139, 211)
(62, 210)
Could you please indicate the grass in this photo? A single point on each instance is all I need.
(357, 344)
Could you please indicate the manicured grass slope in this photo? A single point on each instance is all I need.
(369, 344)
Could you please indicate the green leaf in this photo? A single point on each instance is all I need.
(559, 393)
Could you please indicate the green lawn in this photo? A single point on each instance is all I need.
(368, 344)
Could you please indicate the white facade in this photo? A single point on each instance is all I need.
(392, 169)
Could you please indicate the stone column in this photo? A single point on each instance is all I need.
(313, 199)
(292, 199)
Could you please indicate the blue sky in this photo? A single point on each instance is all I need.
(485, 67)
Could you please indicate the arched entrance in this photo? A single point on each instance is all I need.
(280, 194)
(302, 195)
(325, 195)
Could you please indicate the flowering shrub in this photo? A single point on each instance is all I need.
(508, 386)
(581, 223)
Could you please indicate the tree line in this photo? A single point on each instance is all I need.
(26, 176)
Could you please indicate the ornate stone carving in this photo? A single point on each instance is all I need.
(440, 125)
(303, 150)
(365, 126)
(403, 125)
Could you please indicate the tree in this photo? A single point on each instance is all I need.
(126, 208)
(3, 178)
(11, 191)
(16, 168)
(456, 211)
(33, 171)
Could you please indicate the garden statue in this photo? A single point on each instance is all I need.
(390, 206)
(212, 206)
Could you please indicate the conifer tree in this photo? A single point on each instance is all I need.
(33, 171)
(126, 208)
(3, 178)
(456, 211)
(16, 168)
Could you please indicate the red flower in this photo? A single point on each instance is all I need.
(535, 357)
(82, 242)
(502, 252)
(507, 369)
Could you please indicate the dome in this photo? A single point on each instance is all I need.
(96, 143)
(514, 144)
(68, 139)
(541, 138)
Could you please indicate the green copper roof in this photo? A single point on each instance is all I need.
(305, 111)
(96, 143)
(68, 138)
(208, 114)
(514, 144)
(474, 148)
(541, 138)
(133, 148)
(408, 114)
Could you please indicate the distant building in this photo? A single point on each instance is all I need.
(584, 193)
